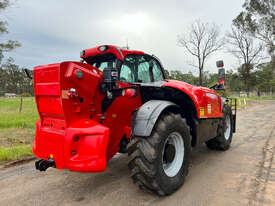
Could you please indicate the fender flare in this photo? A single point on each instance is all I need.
(146, 116)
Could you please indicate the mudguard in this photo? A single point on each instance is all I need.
(147, 115)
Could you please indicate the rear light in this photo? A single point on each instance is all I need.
(129, 92)
(72, 93)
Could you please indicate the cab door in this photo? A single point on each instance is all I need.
(119, 113)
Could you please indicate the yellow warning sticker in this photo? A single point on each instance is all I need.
(201, 112)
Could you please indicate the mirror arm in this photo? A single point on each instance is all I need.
(28, 74)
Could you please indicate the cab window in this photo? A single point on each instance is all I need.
(157, 72)
(102, 61)
(126, 74)
(140, 69)
(144, 75)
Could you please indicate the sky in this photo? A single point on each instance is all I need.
(55, 31)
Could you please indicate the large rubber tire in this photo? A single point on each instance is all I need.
(146, 156)
(223, 140)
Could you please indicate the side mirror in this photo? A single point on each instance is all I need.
(221, 73)
(110, 78)
(221, 76)
(219, 63)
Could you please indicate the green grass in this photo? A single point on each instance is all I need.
(16, 128)
(14, 152)
(10, 117)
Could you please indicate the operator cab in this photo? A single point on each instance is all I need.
(133, 67)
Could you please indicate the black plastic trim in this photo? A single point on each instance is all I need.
(147, 115)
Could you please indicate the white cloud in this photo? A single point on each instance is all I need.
(57, 30)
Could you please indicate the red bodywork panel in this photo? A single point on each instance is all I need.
(72, 129)
(117, 51)
(206, 101)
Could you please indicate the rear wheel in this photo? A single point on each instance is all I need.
(224, 138)
(159, 163)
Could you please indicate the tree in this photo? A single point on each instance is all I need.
(13, 79)
(10, 44)
(233, 81)
(202, 40)
(265, 78)
(246, 50)
(259, 19)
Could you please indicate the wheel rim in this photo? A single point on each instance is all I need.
(173, 154)
(228, 127)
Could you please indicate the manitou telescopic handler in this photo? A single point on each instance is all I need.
(117, 100)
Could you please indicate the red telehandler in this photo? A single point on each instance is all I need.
(117, 100)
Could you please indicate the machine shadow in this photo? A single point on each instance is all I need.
(116, 178)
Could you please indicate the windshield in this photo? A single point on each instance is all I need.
(102, 61)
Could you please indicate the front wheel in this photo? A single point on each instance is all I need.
(225, 132)
(159, 163)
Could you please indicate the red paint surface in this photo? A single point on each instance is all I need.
(201, 97)
(120, 53)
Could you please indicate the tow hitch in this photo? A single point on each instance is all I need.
(43, 165)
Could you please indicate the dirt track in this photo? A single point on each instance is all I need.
(243, 175)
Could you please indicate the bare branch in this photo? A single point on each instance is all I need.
(201, 41)
(248, 51)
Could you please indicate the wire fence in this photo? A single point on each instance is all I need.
(258, 94)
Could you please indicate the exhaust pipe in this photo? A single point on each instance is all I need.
(43, 165)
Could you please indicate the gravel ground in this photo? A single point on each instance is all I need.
(243, 175)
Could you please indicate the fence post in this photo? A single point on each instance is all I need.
(20, 106)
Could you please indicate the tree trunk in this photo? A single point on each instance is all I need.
(200, 78)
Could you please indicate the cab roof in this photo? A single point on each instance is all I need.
(119, 52)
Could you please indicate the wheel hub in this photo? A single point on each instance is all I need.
(173, 154)
(169, 153)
